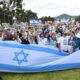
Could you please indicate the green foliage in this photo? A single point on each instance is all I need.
(47, 19)
(6, 15)
(30, 15)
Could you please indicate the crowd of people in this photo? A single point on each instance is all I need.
(65, 36)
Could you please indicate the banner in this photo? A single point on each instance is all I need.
(19, 58)
(34, 22)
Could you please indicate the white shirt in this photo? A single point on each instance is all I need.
(42, 41)
(63, 43)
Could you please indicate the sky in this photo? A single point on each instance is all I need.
(53, 7)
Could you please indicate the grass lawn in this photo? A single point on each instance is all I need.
(58, 75)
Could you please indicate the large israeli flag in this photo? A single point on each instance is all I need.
(15, 57)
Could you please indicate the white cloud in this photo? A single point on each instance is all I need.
(53, 7)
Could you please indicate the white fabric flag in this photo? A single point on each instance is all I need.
(15, 57)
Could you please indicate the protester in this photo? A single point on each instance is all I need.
(72, 40)
(62, 41)
(53, 39)
(32, 39)
(42, 40)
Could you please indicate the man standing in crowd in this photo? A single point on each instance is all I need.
(63, 43)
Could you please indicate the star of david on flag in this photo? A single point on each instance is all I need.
(20, 57)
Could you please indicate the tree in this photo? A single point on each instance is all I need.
(2, 11)
(14, 8)
(22, 14)
(30, 15)
(8, 11)
(17, 5)
(45, 18)
(5, 14)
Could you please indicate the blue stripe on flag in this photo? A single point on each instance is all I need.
(35, 48)
(39, 69)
